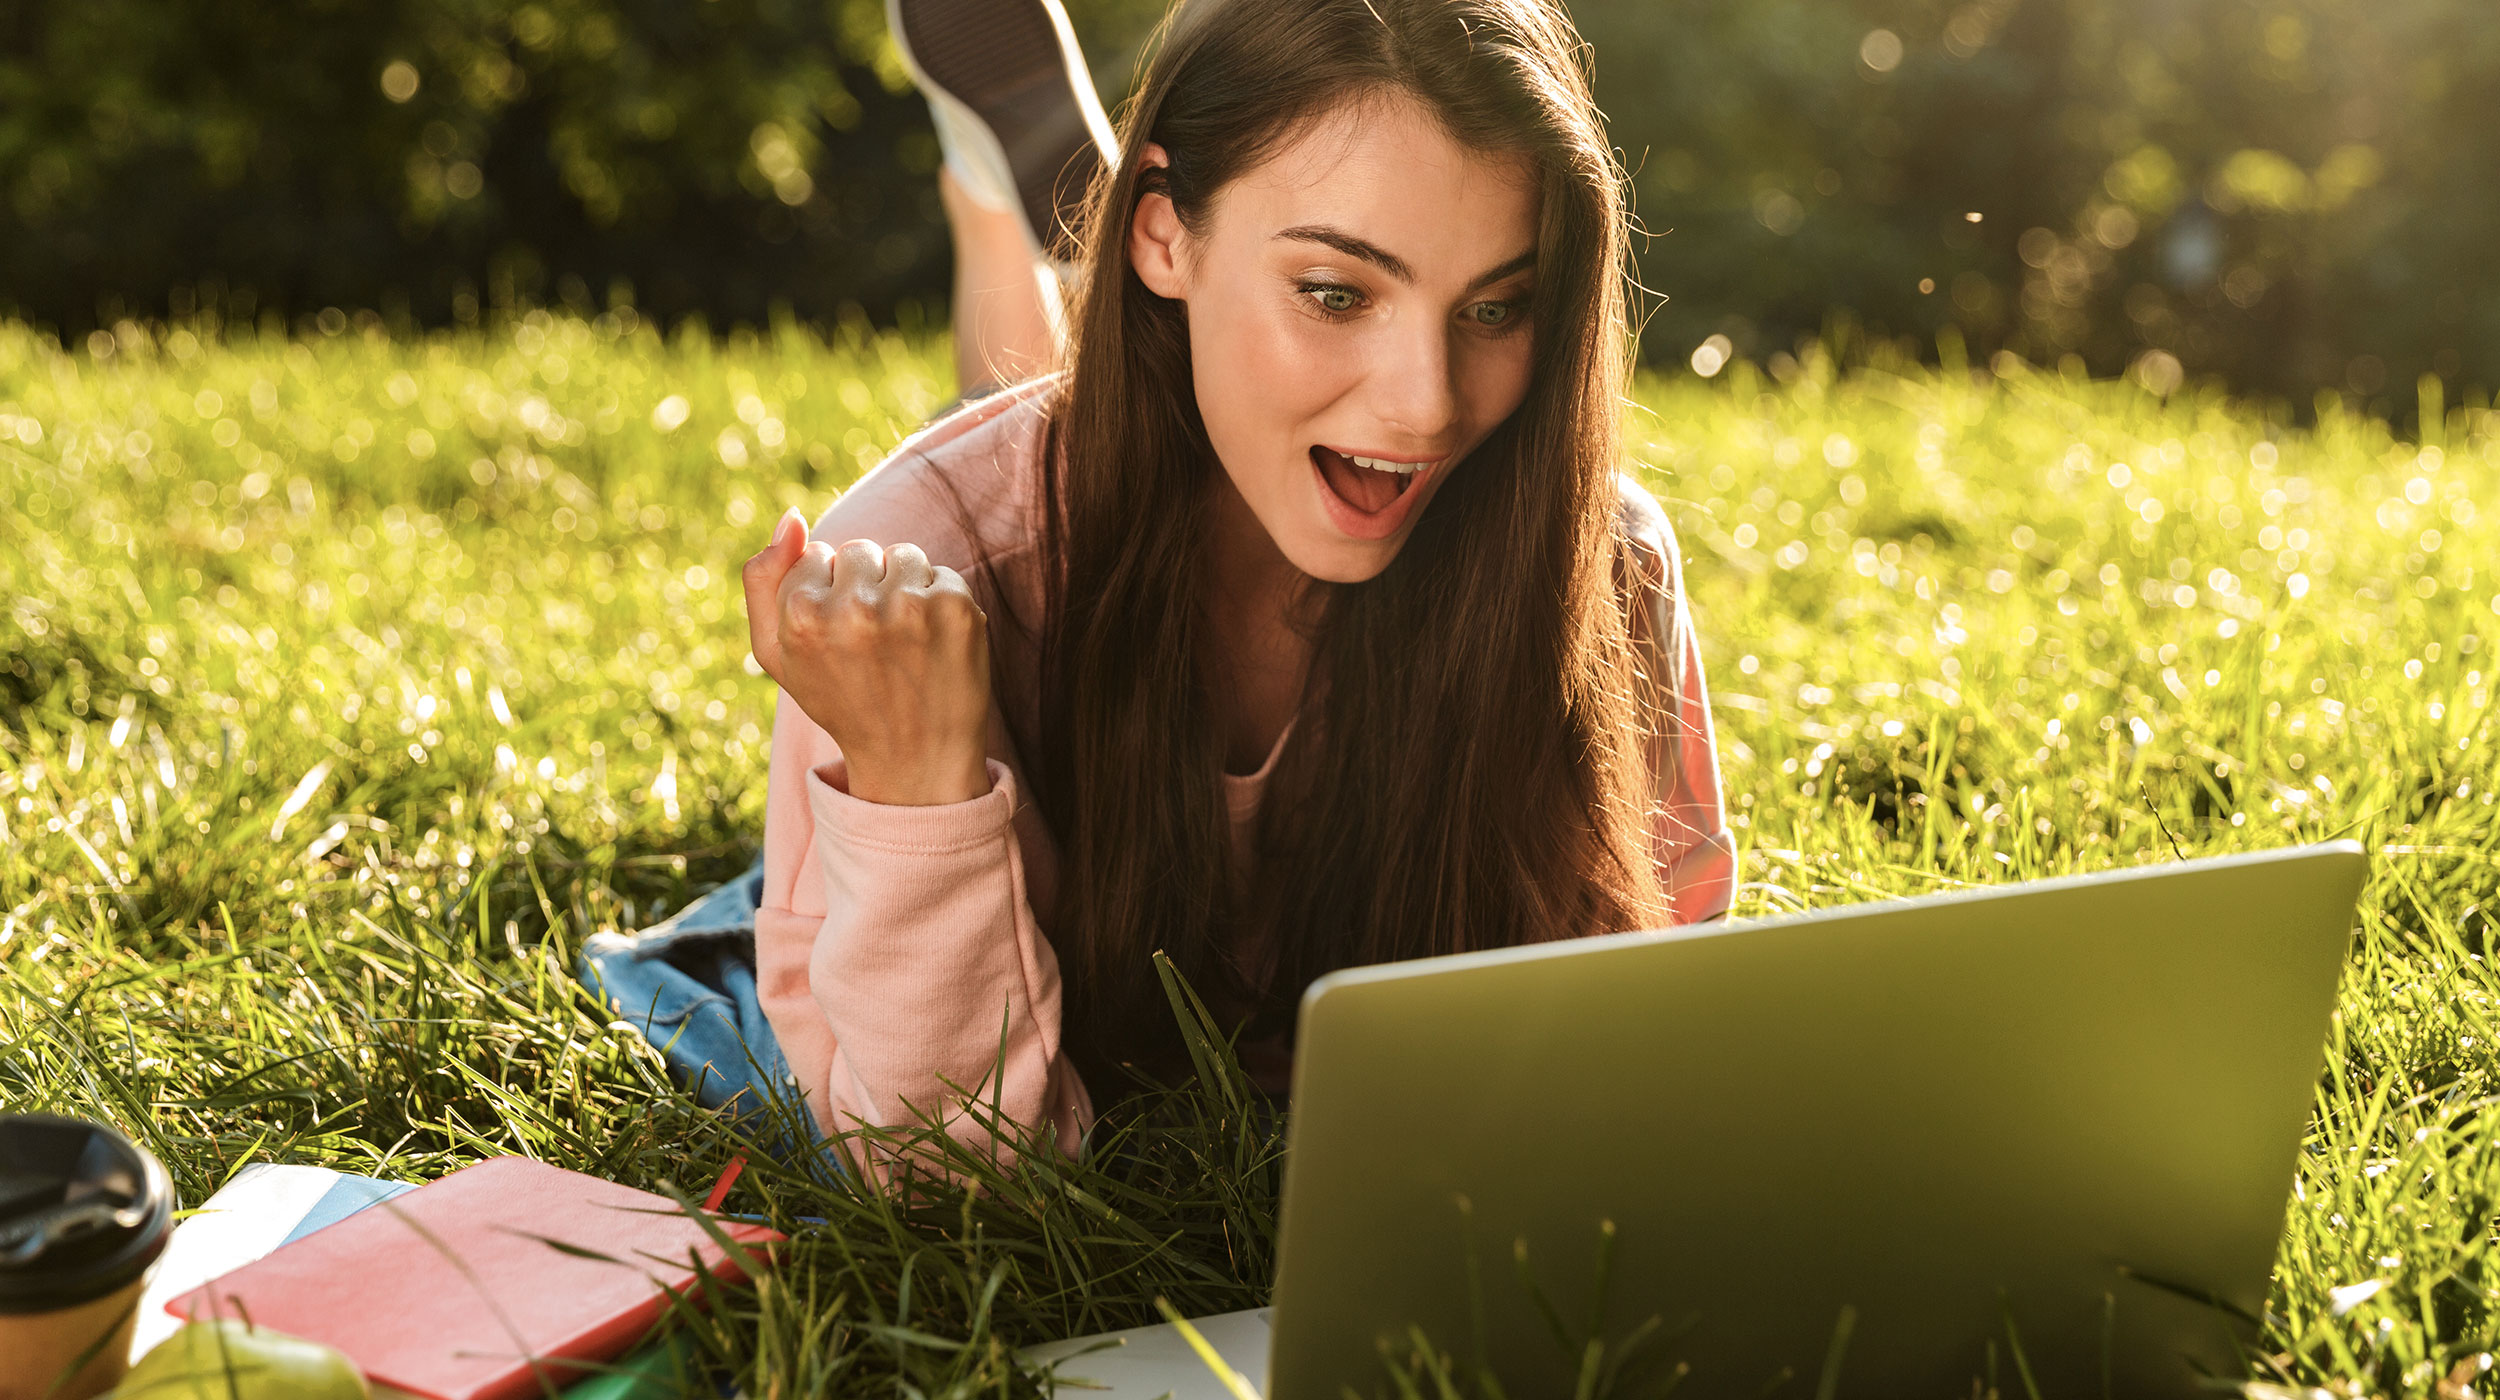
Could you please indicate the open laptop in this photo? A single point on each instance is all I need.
(2045, 1129)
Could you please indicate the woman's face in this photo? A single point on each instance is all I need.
(1358, 322)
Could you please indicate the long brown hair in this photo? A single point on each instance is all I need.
(1467, 768)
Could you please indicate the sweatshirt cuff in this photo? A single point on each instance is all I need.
(950, 826)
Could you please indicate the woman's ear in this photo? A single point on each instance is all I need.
(1156, 235)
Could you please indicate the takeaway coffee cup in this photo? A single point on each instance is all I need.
(84, 1213)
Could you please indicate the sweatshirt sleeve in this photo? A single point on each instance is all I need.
(898, 958)
(1689, 836)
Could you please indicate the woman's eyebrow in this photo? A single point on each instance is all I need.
(1391, 263)
(1521, 263)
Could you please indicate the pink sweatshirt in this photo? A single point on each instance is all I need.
(896, 946)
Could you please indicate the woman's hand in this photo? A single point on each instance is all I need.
(886, 651)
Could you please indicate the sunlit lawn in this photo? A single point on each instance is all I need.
(347, 684)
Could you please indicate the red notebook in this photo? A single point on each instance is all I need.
(377, 1288)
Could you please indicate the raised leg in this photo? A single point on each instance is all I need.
(1007, 307)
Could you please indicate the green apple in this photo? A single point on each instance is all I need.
(228, 1360)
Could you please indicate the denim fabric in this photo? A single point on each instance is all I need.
(688, 984)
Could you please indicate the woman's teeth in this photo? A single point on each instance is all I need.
(1367, 484)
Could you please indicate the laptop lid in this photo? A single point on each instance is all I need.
(2034, 1119)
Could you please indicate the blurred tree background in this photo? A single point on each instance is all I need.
(2291, 195)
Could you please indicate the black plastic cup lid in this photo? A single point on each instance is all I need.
(83, 1211)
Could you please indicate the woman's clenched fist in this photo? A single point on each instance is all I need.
(886, 651)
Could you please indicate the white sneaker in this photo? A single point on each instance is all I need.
(1014, 106)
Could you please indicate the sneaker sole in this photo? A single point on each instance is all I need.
(1014, 65)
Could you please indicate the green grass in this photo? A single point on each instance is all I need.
(347, 684)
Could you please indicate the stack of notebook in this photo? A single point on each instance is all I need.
(505, 1280)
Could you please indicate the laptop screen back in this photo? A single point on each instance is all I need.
(1924, 1140)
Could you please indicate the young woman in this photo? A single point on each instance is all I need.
(1301, 620)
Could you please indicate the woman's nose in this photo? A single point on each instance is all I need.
(1413, 391)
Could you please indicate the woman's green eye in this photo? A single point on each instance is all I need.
(1335, 298)
(1492, 313)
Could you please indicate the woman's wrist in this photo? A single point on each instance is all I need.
(917, 785)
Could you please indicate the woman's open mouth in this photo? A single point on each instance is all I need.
(1368, 497)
